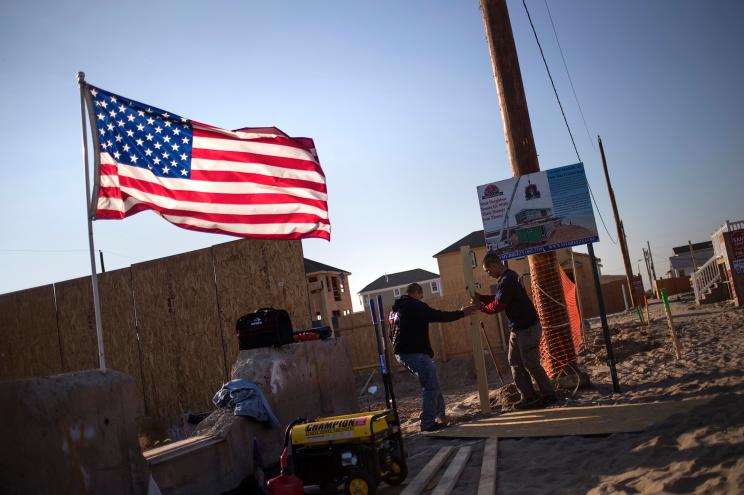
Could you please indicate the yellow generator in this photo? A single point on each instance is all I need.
(359, 450)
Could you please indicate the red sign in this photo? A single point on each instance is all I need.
(737, 243)
(637, 282)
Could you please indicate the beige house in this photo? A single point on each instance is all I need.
(392, 286)
(453, 280)
(328, 288)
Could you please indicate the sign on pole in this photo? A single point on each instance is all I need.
(538, 212)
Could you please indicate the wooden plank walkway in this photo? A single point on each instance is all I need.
(452, 474)
(564, 421)
(422, 479)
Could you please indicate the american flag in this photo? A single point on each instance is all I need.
(251, 182)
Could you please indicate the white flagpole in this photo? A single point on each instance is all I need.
(94, 277)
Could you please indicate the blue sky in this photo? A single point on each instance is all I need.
(400, 100)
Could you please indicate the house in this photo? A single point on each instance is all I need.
(453, 280)
(392, 286)
(682, 264)
(328, 290)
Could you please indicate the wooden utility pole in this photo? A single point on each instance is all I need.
(520, 146)
(692, 255)
(620, 228)
(653, 270)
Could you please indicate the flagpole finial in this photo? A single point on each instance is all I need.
(81, 77)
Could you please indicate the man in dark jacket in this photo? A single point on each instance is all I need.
(524, 338)
(409, 323)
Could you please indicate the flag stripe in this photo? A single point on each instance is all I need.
(321, 234)
(231, 217)
(257, 168)
(248, 157)
(266, 146)
(120, 199)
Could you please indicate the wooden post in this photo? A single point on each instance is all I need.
(620, 228)
(578, 298)
(480, 363)
(653, 270)
(520, 146)
(670, 322)
(692, 255)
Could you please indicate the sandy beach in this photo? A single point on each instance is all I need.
(698, 452)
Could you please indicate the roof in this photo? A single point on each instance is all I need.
(606, 279)
(400, 278)
(695, 247)
(474, 239)
(315, 266)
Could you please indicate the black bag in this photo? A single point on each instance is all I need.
(265, 328)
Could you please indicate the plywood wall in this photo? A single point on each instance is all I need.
(169, 323)
(119, 326)
(29, 340)
(259, 274)
(183, 359)
(77, 324)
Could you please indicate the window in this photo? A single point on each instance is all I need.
(396, 292)
(336, 291)
(434, 287)
(312, 279)
(473, 262)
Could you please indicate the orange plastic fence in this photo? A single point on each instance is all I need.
(559, 344)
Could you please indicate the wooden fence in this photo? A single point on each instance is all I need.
(169, 323)
(673, 286)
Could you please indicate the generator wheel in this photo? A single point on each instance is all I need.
(398, 474)
(360, 483)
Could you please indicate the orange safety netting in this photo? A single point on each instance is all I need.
(561, 340)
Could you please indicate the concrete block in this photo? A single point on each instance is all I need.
(307, 379)
(203, 465)
(71, 433)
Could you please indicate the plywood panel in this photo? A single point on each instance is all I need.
(563, 421)
(182, 353)
(253, 274)
(77, 325)
(118, 322)
(29, 341)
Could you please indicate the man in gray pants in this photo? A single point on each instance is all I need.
(524, 338)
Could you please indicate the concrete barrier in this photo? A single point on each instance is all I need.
(71, 433)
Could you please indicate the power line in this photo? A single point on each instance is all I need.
(560, 105)
(573, 89)
(552, 83)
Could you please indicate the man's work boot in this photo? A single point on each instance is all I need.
(531, 403)
(549, 399)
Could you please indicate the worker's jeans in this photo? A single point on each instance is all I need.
(432, 405)
(524, 359)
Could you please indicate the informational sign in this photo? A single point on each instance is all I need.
(737, 246)
(538, 212)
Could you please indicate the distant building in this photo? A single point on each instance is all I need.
(393, 285)
(681, 264)
(328, 288)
